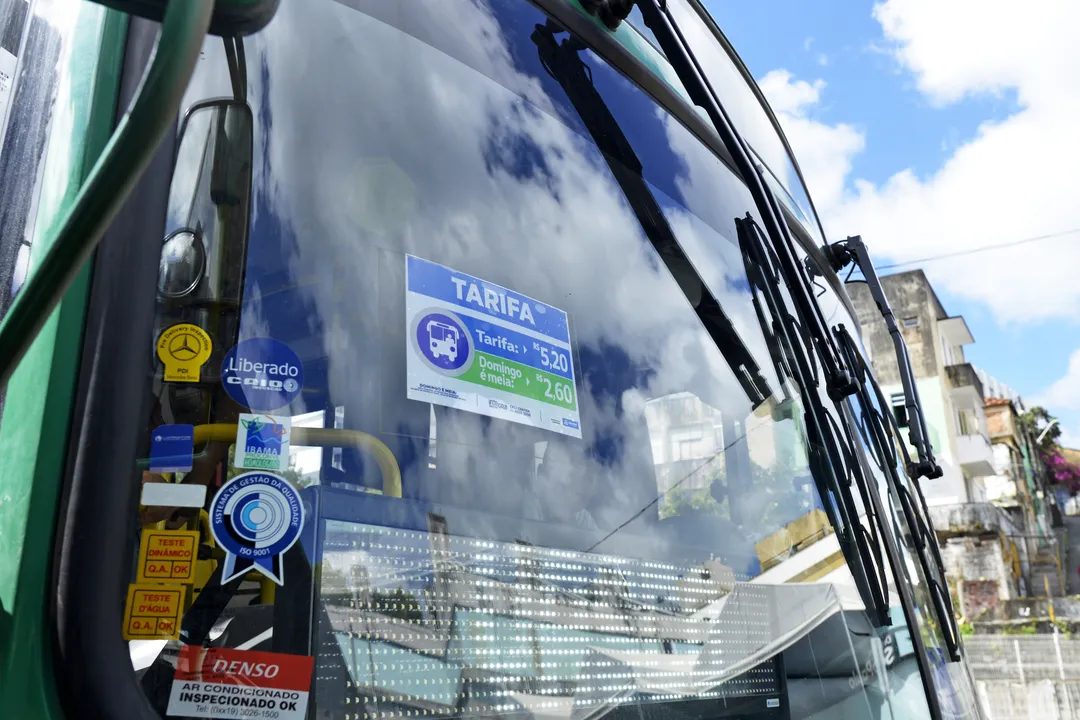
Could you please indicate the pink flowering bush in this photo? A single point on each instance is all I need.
(1062, 472)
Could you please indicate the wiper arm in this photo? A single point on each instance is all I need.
(838, 380)
(563, 62)
(916, 513)
(861, 549)
(853, 250)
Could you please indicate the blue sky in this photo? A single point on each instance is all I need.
(954, 120)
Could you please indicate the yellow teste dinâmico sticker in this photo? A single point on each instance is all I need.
(184, 349)
(168, 556)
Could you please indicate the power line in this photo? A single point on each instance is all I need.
(973, 251)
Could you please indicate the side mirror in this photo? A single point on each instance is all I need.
(200, 273)
(231, 17)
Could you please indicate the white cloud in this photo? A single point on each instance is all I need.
(1064, 393)
(824, 151)
(1062, 399)
(1070, 438)
(1014, 179)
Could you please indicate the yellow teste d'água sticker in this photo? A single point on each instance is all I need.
(153, 612)
(184, 349)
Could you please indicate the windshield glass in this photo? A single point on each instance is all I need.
(885, 466)
(464, 396)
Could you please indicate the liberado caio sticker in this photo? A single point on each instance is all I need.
(255, 518)
(262, 374)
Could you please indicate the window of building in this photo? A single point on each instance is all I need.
(899, 410)
(968, 422)
(910, 322)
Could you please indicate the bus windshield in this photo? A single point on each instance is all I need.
(464, 392)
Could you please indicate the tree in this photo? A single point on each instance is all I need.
(1035, 421)
(1061, 472)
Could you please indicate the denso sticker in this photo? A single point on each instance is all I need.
(224, 683)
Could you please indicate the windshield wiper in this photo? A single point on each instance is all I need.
(562, 61)
(826, 454)
(838, 380)
(853, 250)
(915, 512)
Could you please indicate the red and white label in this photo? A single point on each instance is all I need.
(223, 683)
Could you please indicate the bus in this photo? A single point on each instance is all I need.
(365, 360)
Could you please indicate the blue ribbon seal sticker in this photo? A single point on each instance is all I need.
(262, 374)
(255, 518)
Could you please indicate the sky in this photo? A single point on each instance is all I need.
(935, 126)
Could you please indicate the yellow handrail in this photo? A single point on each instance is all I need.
(323, 437)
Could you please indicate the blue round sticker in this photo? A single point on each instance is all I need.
(255, 517)
(262, 374)
(443, 342)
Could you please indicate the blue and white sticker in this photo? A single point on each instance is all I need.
(255, 518)
(484, 348)
(172, 448)
(262, 374)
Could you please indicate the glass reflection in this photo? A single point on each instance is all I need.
(677, 554)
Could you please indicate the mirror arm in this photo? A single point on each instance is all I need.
(102, 193)
(853, 250)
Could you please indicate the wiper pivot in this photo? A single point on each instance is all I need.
(610, 12)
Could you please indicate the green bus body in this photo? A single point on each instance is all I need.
(100, 53)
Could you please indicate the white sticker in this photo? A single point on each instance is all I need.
(159, 494)
(7, 79)
(772, 702)
(262, 442)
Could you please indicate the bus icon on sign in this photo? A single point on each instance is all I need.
(443, 340)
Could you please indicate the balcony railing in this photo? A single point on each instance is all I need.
(963, 375)
(972, 519)
(975, 454)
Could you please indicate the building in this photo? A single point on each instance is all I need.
(1018, 482)
(948, 385)
(995, 538)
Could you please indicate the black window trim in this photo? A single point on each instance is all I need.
(95, 537)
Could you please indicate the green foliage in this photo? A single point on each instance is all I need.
(1035, 421)
(333, 589)
(769, 502)
(679, 502)
(1028, 628)
(398, 603)
(966, 629)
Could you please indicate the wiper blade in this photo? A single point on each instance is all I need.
(916, 513)
(853, 250)
(838, 380)
(562, 61)
(793, 355)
